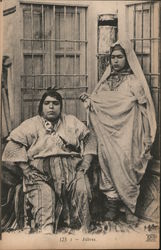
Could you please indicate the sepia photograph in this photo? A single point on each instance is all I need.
(80, 124)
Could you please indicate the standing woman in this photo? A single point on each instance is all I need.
(122, 115)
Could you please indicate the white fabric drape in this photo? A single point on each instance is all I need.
(138, 72)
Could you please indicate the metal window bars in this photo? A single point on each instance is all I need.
(56, 47)
(151, 10)
(144, 8)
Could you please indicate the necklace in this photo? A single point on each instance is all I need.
(114, 81)
(51, 128)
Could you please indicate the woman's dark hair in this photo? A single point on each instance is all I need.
(118, 47)
(51, 93)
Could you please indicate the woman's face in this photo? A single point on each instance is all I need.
(51, 109)
(118, 60)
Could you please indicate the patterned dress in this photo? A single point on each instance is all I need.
(54, 153)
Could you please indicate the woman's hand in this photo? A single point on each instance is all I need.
(32, 174)
(25, 168)
(27, 172)
(84, 96)
(85, 164)
(147, 148)
(86, 100)
(148, 144)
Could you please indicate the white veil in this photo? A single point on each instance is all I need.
(137, 70)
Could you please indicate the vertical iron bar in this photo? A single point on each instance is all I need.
(150, 36)
(75, 59)
(64, 55)
(32, 56)
(50, 42)
(142, 26)
(53, 59)
(65, 38)
(159, 87)
(134, 27)
(86, 55)
(86, 46)
(75, 38)
(43, 46)
(23, 79)
(32, 36)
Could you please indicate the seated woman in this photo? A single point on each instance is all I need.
(122, 115)
(54, 151)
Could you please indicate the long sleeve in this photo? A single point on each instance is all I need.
(90, 143)
(14, 152)
(25, 133)
(19, 141)
(84, 136)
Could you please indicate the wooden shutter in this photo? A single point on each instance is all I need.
(143, 21)
(54, 55)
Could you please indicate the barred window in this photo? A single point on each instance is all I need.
(143, 24)
(54, 49)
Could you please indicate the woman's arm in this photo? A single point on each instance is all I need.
(139, 92)
(90, 149)
(146, 125)
(84, 96)
(25, 168)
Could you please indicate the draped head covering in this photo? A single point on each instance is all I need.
(138, 72)
(117, 118)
